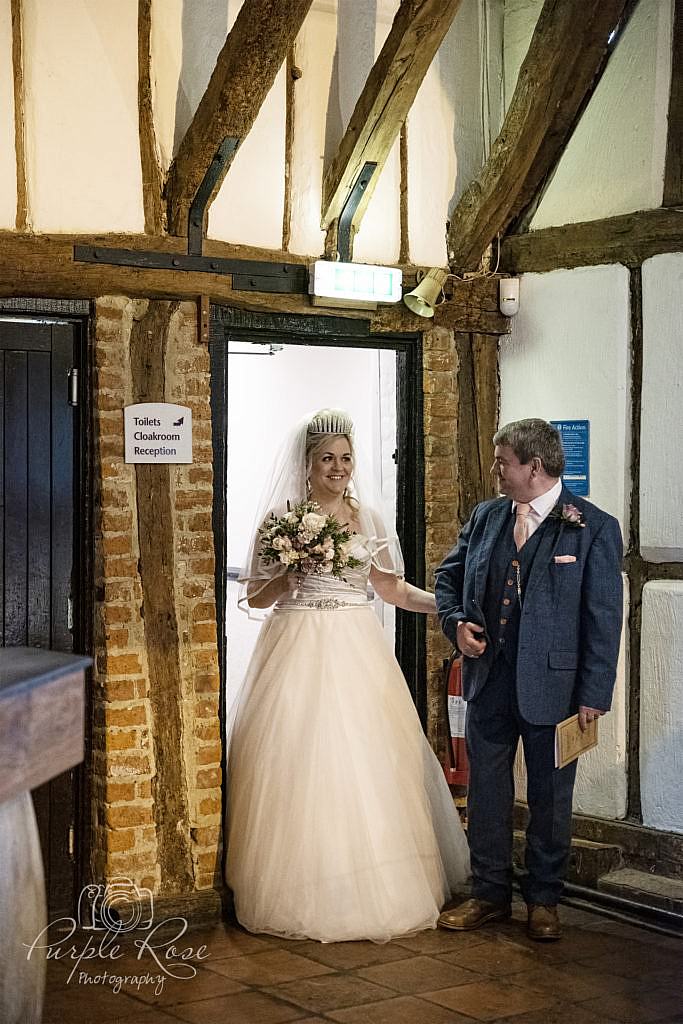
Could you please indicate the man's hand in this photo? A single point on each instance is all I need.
(470, 639)
(587, 715)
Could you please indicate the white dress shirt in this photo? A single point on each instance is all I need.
(541, 507)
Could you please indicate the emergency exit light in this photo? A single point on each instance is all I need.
(353, 284)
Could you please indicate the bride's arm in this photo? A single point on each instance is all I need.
(404, 595)
(263, 596)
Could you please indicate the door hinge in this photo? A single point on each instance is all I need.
(72, 841)
(73, 385)
(70, 613)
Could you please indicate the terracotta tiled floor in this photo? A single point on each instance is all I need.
(601, 972)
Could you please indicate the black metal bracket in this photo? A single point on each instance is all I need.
(349, 209)
(247, 275)
(195, 220)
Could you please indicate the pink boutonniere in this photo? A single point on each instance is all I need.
(569, 515)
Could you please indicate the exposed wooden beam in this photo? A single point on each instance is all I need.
(246, 68)
(566, 57)
(404, 249)
(478, 394)
(22, 221)
(152, 176)
(293, 74)
(628, 239)
(416, 34)
(673, 172)
(472, 307)
(42, 266)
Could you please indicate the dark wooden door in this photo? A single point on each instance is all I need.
(37, 535)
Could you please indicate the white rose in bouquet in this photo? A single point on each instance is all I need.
(313, 523)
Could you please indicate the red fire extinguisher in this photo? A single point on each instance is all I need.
(457, 769)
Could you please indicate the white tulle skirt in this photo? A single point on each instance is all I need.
(340, 823)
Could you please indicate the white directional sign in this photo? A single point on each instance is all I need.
(158, 432)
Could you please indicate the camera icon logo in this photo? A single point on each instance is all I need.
(118, 906)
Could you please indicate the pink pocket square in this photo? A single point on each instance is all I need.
(565, 559)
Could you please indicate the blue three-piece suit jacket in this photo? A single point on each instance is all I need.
(571, 614)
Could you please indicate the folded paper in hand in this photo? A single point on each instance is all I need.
(570, 741)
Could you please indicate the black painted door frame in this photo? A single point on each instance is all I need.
(262, 328)
(44, 527)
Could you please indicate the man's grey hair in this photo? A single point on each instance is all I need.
(531, 439)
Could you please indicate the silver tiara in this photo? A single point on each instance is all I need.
(330, 421)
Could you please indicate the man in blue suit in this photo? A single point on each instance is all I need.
(531, 595)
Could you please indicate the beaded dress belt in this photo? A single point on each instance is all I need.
(324, 603)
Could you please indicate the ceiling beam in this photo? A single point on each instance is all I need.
(566, 57)
(416, 34)
(252, 55)
(629, 239)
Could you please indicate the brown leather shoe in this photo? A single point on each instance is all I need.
(473, 913)
(543, 923)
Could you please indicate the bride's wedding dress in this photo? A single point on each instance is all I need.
(340, 822)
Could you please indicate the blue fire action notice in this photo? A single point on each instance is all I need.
(575, 436)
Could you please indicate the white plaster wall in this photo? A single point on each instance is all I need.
(379, 237)
(568, 358)
(520, 19)
(661, 482)
(661, 705)
(239, 212)
(83, 154)
(314, 55)
(601, 780)
(614, 162)
(166, 72)
(455, 117)
(249, 206)
(8, 166)
(432, 164)
(186, 41)
(473, 52)
(354, 55)
(335, 50)
(202, 32)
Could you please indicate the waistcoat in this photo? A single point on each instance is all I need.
(501, 599)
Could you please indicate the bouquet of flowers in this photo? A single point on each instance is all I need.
(307, 540)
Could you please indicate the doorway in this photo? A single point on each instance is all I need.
(252, 357)
(40, 527)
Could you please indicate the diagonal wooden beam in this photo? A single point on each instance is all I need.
(566, 57)
(253, 53)
(416, 34)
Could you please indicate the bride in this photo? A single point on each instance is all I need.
(340, 823)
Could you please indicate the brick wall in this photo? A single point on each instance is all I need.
(461, 390)
(132, 833)
(441, 501)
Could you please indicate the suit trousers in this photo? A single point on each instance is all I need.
(493, 728)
